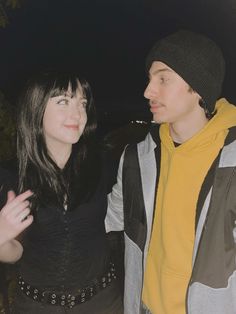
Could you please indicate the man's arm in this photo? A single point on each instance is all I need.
(115, 217)
(14, 218)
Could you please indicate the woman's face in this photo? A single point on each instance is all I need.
(64, 120)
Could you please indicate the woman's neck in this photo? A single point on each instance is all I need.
(60, 155)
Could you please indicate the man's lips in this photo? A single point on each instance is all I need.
(154, 107)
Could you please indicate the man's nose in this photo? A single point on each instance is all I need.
(149, 92)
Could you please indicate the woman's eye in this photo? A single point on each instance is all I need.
(62, 102)
(84, 104)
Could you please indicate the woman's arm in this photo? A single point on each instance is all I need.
(14, 218)
(11, 251)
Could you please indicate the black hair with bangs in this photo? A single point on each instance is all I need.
(37, 170)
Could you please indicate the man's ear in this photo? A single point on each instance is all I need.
(203, 105)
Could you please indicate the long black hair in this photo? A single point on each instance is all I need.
(37, 170)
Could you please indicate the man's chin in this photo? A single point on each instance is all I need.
(157, 119)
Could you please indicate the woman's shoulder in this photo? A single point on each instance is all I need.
(8, 179)
(9, 167)
(8, 173)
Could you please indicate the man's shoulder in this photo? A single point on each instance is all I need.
(148, 145)
(228, 154)
(231, 137)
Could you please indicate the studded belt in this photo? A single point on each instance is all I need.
(67, 299)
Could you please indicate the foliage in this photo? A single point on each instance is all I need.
(4, 6)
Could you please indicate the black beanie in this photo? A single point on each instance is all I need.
(196, 58)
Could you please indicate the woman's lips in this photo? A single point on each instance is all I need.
(72, 127)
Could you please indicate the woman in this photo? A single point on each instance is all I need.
(66, 264)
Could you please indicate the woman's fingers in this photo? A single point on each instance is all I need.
(19, 210)
(14, 202)
(15, 215)
(22, 214)
(10, 196)
(17, 207)
(26, 222)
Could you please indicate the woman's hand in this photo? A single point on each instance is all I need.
(14, 216)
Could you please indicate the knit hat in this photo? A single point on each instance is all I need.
(196, 58)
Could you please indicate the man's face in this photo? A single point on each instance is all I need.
(170, 98)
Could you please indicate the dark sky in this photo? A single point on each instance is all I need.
(108, 41)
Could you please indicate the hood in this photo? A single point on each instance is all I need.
(224, 119)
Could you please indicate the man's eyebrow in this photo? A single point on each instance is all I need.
(160, 70)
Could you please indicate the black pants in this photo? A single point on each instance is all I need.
(107, 301)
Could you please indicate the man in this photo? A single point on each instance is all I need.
(175, 195)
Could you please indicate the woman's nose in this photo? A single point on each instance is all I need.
(75, 112)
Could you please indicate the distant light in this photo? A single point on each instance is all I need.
(139, 121)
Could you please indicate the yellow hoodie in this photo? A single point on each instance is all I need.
(183, 169)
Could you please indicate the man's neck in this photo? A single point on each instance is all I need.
(182, 131)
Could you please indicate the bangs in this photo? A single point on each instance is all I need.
(61, 85)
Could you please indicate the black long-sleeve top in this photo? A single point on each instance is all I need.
(65, 250)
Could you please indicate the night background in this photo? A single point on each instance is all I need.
(107, 41)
